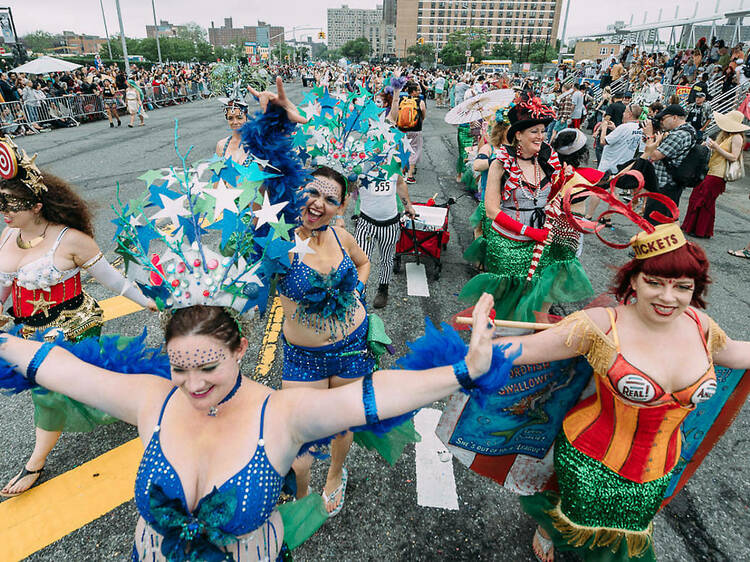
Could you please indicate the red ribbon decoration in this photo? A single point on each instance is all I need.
(536, 108)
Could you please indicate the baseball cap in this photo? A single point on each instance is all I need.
(674, 109)
(700, 93)
(627, 95)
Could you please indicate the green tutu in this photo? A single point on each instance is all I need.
(469, 179)
(559, 277)
(56, 412)
(598, 514)
(477, 218)
(465, 140)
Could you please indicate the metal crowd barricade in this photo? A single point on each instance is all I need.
(47, 110)
(12, 116)
(726, 102)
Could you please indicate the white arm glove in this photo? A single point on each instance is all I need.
(108, 276)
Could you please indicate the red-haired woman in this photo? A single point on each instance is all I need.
(615, 455)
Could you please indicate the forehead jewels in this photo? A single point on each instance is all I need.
(325, 188)
(195, 358)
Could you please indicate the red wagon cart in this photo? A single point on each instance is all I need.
(426, 236)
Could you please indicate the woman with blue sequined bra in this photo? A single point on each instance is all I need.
(325, 322)
(216, 449)
(235, 112)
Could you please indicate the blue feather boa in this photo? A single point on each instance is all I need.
(268, 136)
(114, 353)
(439, 348)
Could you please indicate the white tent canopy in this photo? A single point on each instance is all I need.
(45, 65)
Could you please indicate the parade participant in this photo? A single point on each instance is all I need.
(235, 112)
(608, 495)
(726, 149)
(528, 251)
(109, 96)
(134, 103)
(47, 242)
(323, 294)
(409, 119)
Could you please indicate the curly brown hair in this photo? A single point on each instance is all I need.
(60, 203)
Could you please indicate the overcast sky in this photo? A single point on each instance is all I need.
(84, 16)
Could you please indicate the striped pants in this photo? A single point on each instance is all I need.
(367, 234)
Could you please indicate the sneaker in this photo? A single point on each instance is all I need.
(411, 179)
(111, 125)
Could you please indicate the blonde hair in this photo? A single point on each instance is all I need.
(497, 134)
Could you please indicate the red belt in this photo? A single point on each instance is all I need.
(28, 302)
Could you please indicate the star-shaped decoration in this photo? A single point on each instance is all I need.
(151, 176)
(145, 235)
(250, 193)
(172, 209)
(393, 168)
(302, 247)
(41, 304)
(157, 193)
(268, 213)
(188, 229)
(217, 166)
(281, 229)
(227, 225)
(224, 197)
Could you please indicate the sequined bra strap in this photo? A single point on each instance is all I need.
(339, 241)
(164, 406)
(226, 146)
(613, 324)
(262, 420)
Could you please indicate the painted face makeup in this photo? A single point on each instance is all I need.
(663, 298)
(328, 190)
(199, 357)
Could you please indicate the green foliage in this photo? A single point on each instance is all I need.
(421, 53)
(225, 77)
(539, 52)
(192, 32)
(172, 49)
(39, 41)
(356, 50)
(454, 51)
(504, 50)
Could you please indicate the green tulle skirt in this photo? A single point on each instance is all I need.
(559, 277)
(464, 140)
(597, 514)
(56, 412)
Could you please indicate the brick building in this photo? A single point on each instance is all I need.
(77, 44)
(262, 34)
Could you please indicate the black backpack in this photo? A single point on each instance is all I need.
(746, 68)
(693, 167)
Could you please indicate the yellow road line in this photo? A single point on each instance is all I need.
(67, 502)
(116, 307)
(63, 504)
(268, 347)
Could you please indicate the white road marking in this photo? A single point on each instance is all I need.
(416, 280)
(436, 486)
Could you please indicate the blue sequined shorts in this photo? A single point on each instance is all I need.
(349, 358)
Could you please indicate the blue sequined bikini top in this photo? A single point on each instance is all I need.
(237, 507)
(322, 299)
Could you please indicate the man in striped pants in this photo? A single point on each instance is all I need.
(378, 223)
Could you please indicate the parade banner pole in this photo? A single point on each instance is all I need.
(122, 38)
(507, 324)
(156, 30)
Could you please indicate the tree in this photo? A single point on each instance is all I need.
(39, 41)
(191, 31)
(504, 50)
(458, 42)
(540, 52)
(281, 51)
(424, 53)
(356, 49)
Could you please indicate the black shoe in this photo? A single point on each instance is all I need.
(381, 299)
(111, 124)
(119, 122)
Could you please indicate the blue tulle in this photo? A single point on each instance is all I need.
(268, 136)
(439, 348)
(114, 353)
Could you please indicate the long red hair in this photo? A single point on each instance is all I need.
(687, 261)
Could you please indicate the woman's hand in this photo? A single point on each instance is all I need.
(279, 98)
(479, 357)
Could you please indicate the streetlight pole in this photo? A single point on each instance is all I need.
(562, 39)
(156, 29)
(106, 33)
(122, 38)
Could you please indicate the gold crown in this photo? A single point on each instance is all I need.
(11, 157)
(665, 238)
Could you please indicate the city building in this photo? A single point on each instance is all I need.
(165, 29)
(346, 24)
(595, 49)
(518, 21)
(382, 38)
(77, 44)
(263, 34)
(389, 12)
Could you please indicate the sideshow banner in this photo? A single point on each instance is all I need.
(707, 423)
(510, 439)
(6, 26)
(683, 92)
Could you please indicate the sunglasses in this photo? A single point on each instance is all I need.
(13, 204)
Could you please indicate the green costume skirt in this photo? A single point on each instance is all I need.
(559, 277)
(54, 411)
(465, 140)
(598, 514)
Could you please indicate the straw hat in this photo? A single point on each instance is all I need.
(731, 122)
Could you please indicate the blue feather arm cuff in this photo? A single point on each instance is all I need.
(441, 348)
(114, 353)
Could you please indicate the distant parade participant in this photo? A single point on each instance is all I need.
(235, 113)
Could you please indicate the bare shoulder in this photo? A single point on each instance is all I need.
(704, 319)
(344, 235)
(220, 146)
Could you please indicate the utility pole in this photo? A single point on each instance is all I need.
(106, 33)
(562, 39)
(122, 38)
(156, 29)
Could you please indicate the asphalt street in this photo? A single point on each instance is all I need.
(381, 520)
